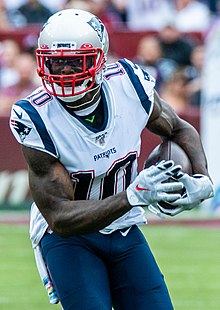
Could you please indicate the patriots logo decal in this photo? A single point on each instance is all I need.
(98, 26)
(21, 129)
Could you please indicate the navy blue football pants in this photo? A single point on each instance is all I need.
(98, 272)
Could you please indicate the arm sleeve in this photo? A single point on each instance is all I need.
(29, 129)
(142, 82)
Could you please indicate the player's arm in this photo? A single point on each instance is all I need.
(168, 125)
(53, 193)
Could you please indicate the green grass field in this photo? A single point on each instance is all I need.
(189, 258)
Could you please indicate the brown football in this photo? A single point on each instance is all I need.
(169, 150)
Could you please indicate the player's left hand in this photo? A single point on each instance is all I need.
(198, 188)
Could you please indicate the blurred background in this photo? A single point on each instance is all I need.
(178, 42)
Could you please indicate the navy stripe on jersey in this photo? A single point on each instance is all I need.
(146, 103)
(39, 124)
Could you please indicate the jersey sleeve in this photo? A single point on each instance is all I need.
(142, 82)
(29, 129)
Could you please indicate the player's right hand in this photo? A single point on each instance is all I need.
(150, 187)
(198, 188)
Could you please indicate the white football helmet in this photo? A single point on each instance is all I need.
(77, 39)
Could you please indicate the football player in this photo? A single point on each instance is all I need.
(80, 134)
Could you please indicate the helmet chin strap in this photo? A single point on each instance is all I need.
(98, 81)
(76, 97)
(97, 88)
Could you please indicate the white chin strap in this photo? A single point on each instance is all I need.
(97, 88)
(98, 81)
(68, 90)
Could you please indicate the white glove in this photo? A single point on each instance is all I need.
(160, 211)
(149, 186)
(198, 188)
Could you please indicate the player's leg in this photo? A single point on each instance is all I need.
(136, 280)
(79, 276)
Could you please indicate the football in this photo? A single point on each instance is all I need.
(169, 150)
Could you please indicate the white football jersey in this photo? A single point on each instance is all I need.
(100, 162)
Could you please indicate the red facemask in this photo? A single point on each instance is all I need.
(63, 71)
